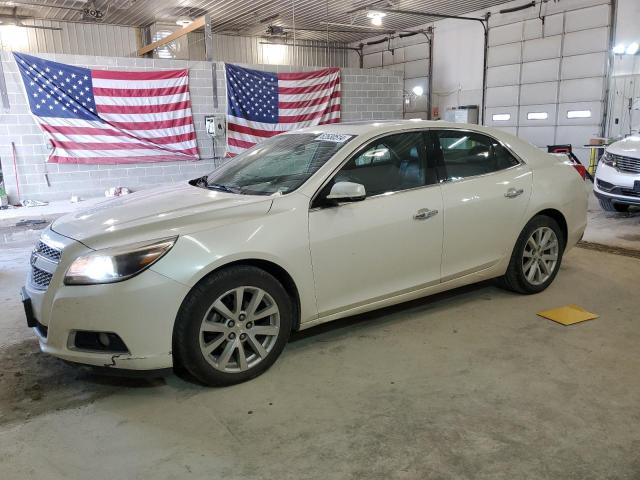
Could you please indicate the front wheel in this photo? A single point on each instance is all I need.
(536, 257)
(232, 326)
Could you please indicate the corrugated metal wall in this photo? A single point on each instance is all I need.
(120, 41)
(249, 50)
(74, 38)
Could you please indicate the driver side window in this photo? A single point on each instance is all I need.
(388, 164)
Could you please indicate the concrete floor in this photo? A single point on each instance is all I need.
(468, 384)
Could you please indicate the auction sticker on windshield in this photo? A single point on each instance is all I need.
(333, 137)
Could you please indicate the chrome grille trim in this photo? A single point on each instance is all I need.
(44, 262)
(39, 278)
(48, 252)
(627, 164)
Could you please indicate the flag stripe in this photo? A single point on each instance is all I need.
(306, 75)
(140, 92)
(308, 103)
(310, 88)
(155, 75)
(145, 108)
(129, 84)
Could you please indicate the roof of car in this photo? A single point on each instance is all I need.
(373, 126)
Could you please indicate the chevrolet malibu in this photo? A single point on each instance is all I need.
(307, 227)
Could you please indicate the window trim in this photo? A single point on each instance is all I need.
(358, 151)
(519, 159)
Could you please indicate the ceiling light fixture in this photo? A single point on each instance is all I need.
(184, 22)
(619, 49)
(418, 91)
(632, 49)
(376, 17)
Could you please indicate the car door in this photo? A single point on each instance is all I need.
(485, 191)
(388, 243)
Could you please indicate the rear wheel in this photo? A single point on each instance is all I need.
(610, 206)
(536, 257)
(232, 326)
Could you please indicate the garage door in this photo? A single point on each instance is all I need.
(546, 82)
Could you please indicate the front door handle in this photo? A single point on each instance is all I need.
(425, 214)
(513, 193)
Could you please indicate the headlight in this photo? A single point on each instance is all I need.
(608, 159)
(116, 264)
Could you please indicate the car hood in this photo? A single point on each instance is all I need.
(628, 147)
(157, 213)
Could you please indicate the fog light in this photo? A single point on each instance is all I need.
(103, 338)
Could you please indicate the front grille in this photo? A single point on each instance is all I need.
(602, 185)
(629, 193)
(627, 164)
(48, 252)
(40, 278)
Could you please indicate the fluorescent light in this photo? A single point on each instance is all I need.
(619, 49)
(501, 117)
(579, 114)
(274, 53)
(376, 17)
(537, 116)
(184, 22)
(632, 49)
(457, 142)
(418, 90)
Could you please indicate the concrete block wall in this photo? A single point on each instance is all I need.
(367, 94)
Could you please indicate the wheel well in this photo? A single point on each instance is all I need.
(281, 275)
(560, 220)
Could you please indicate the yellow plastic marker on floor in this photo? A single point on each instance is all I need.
(568, 315)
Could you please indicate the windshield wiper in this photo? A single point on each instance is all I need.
(223, 188)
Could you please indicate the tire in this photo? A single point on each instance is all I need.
(518, 276)
(610, 206)
(216, 337)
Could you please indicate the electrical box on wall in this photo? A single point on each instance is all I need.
(462, 114)
(216, 125)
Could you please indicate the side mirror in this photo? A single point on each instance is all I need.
(347, 192)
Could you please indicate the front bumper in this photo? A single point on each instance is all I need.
(140, 310)
(617, 186)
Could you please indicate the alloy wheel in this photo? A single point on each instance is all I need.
(540, 255)
(239, 329)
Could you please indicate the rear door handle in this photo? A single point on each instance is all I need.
(425, 214)
(513, 193)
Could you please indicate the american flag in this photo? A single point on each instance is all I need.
(264, 104)
(109, 116)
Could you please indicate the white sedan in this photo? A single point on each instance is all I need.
(307, 227)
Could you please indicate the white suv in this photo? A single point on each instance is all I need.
(617, 182)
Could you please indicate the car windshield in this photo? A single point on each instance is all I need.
(278, 165)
